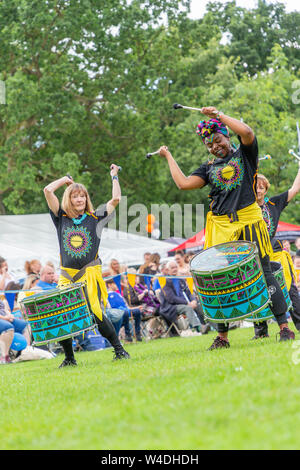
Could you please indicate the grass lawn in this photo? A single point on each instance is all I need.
(172, 394)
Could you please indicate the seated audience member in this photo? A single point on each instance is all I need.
(8, 326)
(29, 285)
(6, 338)
(297, 268)
(140, 295)
(286, 246)
(297, 243)
(56, 275)
(47, 277)
(149, 269)
(117, 301)
(33, 267)
(177, 298)
(147, 257)
(163, 271)
(5, 276)
(183, 266)
(116, 269)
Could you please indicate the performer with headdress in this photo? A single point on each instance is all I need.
(234, 213)
(271, 209)
(79, 228)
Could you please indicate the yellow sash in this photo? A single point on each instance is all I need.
(93, 277)
(220, 230)
(285, 259)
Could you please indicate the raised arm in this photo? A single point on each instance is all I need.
(181, 181)
(49, 190)
(240, 128)
(294, 190)
(116, 190)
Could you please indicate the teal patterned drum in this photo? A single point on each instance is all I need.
(57, 314)
(266, 313)
(229, 281)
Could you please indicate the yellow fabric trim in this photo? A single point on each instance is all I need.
(220, 230)
(285, 259)
(93, 278)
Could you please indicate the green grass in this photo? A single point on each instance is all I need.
(172, 394)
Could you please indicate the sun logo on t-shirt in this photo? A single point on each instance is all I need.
(228, 176)
(77, 241)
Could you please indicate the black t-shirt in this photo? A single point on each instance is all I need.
(79, 243)
(271, 210)
(232, 179)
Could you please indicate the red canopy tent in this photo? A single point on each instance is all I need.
(197, 241)
(285, 231)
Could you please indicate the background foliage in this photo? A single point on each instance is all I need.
(88, 85)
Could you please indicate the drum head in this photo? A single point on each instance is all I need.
(221, 256)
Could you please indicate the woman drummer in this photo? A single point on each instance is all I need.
(234, 213)
(79, 229)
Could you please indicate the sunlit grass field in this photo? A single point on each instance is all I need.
(172, 394)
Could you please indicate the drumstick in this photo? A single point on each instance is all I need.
(149, 155)
(291, 152)
(265, 157)
(179, 106)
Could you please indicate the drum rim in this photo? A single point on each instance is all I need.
(51, 292)
(226, 269)
(254, 253)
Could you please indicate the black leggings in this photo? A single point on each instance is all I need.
(262, 327)
(278, 306)
(106, 329)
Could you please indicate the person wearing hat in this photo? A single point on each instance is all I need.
(234, 213)
(271, 209)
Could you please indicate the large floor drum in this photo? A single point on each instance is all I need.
(57, 314)
(229, 281)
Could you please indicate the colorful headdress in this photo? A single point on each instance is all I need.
(207, 128)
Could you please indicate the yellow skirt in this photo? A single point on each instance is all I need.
(220, 230)
(93, 278)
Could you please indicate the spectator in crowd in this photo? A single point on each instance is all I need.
(183, 266)
(56, 275)
(141, 295)
(286, 246)
(297, 243)
(163, 271)
(147, 257)
(177, 298)
(29, 284)
(297, 268)
(6, 338)
(116, 300)
(9, 325)
(115, 268)
(33, 267)
(46, 280)
(5, 276)
(149, 269)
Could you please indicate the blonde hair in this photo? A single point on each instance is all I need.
(29, 281)
(66, 203)
(264, 180)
